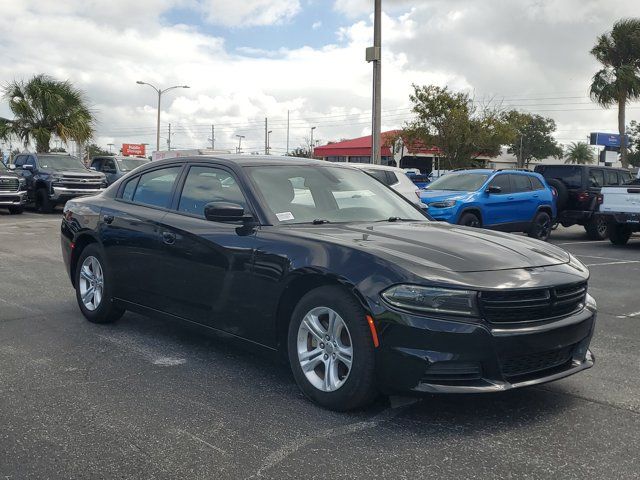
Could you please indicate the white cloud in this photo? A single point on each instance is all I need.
(316, 25)
(245, 13)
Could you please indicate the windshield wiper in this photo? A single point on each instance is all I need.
(399, 219)
(320, 221)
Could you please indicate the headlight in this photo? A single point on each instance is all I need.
(22, 183)
(445, 204)
(435, 300)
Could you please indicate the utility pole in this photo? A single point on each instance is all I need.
(266, 136)
(311, 143)
(287, 132)
(240, 137)
(374, 55)
(110, 145)
(169, 139)
(521, 162)
(213, 137)
(269, 141)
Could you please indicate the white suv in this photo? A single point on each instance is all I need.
(393, 177)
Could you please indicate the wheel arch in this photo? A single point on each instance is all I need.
(297, 285)
(475, 209)
(79, 244)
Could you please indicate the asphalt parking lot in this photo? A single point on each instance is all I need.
(149, 399)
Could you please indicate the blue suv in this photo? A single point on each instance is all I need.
(507, 200)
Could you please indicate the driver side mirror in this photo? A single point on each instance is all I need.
(27, 167)
(12, 166)
(493, 189)
(93, 168)
(225, 212)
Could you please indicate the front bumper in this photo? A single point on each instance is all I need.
(13, 199)
(63, 193)
(425, 355)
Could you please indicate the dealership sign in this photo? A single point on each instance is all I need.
(133, 150)
(611, 140)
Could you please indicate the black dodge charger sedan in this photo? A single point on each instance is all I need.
(361, 291)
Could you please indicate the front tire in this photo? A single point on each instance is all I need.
(541, 227)
(469, 220)
(619, 234)
(597, 228)
(16, 210)
(93, 288)
(43, 202)
(331, 350)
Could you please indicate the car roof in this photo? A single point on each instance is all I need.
(250, 160)
(574, 165)
(375, 167)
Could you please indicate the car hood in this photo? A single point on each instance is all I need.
(77, 173)
(429, 196)
(436, 245)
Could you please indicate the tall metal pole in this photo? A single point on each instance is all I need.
(158, 123)
(213, 137)
(266, 136)
(311, 143)
(169, 139)
(287, 132)
(377, 84)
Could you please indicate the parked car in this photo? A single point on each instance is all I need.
(362, 294)
(507, 200)
(115, 166)
(621, 210)
(421, 181)
(12, 191)
(579, 197)
(393, 177)
(52, 179)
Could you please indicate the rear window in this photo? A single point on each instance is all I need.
(536, 183)
(571, 176)
(520, 183)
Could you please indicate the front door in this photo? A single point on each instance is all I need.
(209, 263)
(499, 206)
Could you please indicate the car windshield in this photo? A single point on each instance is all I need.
(60, 162)
(128, 164)
(459, 182)
(318, 194)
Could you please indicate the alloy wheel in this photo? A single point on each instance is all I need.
(91, 283)
(325, 349)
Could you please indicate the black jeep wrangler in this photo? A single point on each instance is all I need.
(579, 198)
(52, 179)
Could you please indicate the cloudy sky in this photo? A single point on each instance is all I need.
(250, 59)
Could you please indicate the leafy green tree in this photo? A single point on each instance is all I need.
(42, 107)
(93, 150)
(302, 151)
(458, 126)
(618, 82)
(532, 137)
(579, 153)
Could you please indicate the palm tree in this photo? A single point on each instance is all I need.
(43, 107)
(619, 81)
(580, 153)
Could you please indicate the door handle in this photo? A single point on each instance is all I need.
(108, 219)
(168, 238)
(510, 198)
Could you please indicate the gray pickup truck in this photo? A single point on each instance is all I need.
(13, 191)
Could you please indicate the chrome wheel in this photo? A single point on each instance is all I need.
(91, 283)
(325, 349)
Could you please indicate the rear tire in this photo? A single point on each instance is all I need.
(92, 275)
(597, 228)
(351, 383)
(43, 202)
(470, 220)
(561, 191)
(16, 210)
(541, 227)
(619, 234)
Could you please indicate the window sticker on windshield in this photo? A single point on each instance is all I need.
(284, 216)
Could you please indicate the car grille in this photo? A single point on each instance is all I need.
(9, 184)
(537, 362)
(517, 306)
(80, 183)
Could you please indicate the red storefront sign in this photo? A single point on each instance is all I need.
(133, 150)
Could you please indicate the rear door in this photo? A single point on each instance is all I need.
(498, 207)
(130, 234)
(209, 278)
(524, 203)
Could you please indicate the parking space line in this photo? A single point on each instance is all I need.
(629, 315)
(599, 258)
(611, 263)
(578, 243)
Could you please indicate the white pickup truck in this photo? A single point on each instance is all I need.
(621, 207)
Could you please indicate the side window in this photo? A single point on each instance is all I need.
(596, 178)
(154, 188)
(30, 161)
(536, 183)
(392, 178)
(109, 166)
(209, 184)
(379, 175)
(129, 188)
(97, 164)
(520, 183)
(625, 177)
(501, 181)
(611, 177)
(19, 160)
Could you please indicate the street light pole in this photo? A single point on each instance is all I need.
(240, 137)
(269, 141)
(110, 145)
(311, 143)
(374, 54)
(160, 92)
